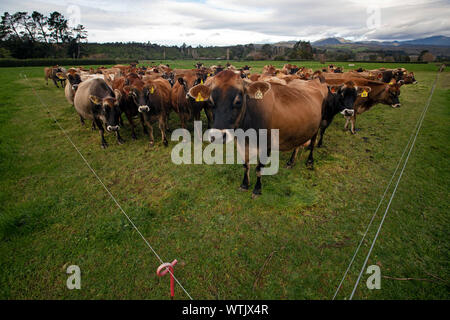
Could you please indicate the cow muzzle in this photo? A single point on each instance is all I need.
(220, 136)
(144, 109)
(348, 112)
(112, 128)
(75, 87)
(397, 105)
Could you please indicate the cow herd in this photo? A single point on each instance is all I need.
(299, 102)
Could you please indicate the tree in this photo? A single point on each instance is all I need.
(41, 23)
(302, 50)
(59, 27)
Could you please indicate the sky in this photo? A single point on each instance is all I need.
(220, 22)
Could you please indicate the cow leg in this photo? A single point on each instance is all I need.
(353, 121)
(130, 120)
(167, 122)
(347, 120)
(291, 161)
(93, 127)
(209, 115)
(150, 133)
(56, 83)
(310, 161)
(120, 120)
(257, 190)
(144, 128)
(322, 132)
(162, 127)
(246, 181)
(102, 133)
(82, 120)
(119, 138)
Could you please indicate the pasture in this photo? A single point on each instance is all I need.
(293, 242)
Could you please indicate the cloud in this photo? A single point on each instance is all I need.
(214, 22)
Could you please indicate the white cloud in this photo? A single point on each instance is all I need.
(215, 22)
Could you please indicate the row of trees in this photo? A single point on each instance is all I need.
(34, 35)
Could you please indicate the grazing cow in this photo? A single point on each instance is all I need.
(182, 105)
(295, 109)
(57, 74)
(72, 86)
(153, 100)
(96, 101)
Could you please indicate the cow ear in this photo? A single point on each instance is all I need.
(151, 89)
(200, 93)
(180, 81)
(334, 88)
(257, 89)
(401, 82)
(363, 91)
(95, 100)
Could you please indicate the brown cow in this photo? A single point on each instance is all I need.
(127, 105)
(295, 109)
(184, 107)
(153, 100)
(56, 73)
(385, 93)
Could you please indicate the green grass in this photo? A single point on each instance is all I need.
(54, 213)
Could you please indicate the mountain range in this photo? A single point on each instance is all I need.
(441, 41)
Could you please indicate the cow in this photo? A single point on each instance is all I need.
(153, 100)
(96, 101)
(182, 105)
(380, 92)
(341, 99)
(57, 74)
(72, 85)
(295, 109)
(126, 101)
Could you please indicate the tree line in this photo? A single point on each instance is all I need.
(35, 35)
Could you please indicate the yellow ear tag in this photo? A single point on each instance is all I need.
(199, 97)
(391, 83)
(259, 95)
(152, 90)
(364, 94)
(201, 81)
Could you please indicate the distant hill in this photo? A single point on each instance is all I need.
(441, 41)
(430, 41)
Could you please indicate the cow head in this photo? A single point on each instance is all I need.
(138, 93)
(228, 94)
(409, 78)
(107, 109)
(74, 80)
(391, 93)
(344, 97)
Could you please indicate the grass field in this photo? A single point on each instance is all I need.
(293, 242)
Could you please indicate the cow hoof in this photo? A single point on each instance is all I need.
(165, 143)
(289, 165)
(243, 187)
(256, 194)
(133, 136)
(104, 145)
(120, 141)
(151, 144)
